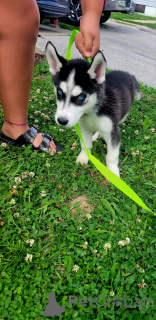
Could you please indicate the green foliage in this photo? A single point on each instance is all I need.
(135, 19)
(60, 229)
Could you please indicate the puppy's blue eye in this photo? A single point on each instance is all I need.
(59, 92)
(81, 98)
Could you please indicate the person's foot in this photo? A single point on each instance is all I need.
(13, 132)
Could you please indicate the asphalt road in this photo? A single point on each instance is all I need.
(126, 47)
(132, 49)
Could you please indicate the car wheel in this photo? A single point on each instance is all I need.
(105, 16)
(75, 13)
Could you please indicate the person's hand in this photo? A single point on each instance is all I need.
(88, 39)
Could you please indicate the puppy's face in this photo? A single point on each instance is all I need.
(76, 84)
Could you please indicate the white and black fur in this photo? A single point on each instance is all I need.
(98, 101)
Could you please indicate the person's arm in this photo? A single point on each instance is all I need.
(88, 40)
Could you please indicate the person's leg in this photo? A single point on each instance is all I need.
(19, 23)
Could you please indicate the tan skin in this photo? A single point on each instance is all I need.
(88, 40)
(19, 24)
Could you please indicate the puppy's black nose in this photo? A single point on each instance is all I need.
(62, 121)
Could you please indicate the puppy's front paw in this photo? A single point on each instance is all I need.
(114, 169)
(95, 136)
(82, 158)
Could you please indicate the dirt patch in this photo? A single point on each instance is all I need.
(39, 58)
(83, 204)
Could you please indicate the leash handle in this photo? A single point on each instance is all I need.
(109, 175)
(70, 43)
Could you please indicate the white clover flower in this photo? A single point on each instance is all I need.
(137, 151)
(99, 267)
(111, 293)
(14, 187)
(43, 193)
(47, 165)
(30, 241)
(45, 109)
(52, 153)
(107, 246)
(155, 166)
(112, 222)
(85, 245)
(146, 137)
(133, 154)
(16, 215)
(38, 91)
(3, 144)
(36, 121)
(17, 180)
(31, 174)
(42, 115)
(40, 103)
(36, 112)
(127, 241)
(152, 130)
(80, 228)
(24, 175)
(142, 284)
(142, 270)
(28, 257)
(61, 130)
(124, 242)
(74, 145)
(46, 117)
(12, 201)
(138, 219)
(121, 243)
(76, 268)
(124, 131)
(95, 251)
(88, 216)
(136, 132)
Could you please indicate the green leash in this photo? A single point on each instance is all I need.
(109, 175)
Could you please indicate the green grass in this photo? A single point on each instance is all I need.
(60, 228)
(131, 17)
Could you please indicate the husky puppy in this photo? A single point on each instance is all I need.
(98, 101)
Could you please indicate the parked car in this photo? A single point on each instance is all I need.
(70, 10)
(124, 6)
(53, 8)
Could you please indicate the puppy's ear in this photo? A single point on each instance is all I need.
(54, 60)
(97, 69)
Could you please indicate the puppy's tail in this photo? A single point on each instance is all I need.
(137, 93)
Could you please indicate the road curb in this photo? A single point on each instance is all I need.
(143, 28)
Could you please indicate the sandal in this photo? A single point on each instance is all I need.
(28, 137)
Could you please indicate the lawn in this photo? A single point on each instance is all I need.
(134, 18)
(65, 229)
